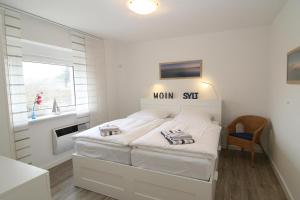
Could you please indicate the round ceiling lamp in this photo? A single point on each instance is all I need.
(143, 7)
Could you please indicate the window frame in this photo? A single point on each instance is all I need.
(72, 107)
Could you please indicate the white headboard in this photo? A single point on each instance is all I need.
(213, 107)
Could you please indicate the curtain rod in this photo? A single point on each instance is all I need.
(5, 6)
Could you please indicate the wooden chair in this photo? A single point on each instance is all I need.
(253, 128)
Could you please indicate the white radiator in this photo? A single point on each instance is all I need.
(62, 137)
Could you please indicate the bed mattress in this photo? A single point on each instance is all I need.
(205, 146)
(109, 152)
(132, 128)
(187, 166)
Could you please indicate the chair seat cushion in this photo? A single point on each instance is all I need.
(244, 135)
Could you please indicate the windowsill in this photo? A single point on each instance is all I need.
(52, 116)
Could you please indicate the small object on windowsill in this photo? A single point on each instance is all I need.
(55, 108)
(37, 101)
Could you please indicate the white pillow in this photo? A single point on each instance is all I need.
(151, 113)
(193, 117)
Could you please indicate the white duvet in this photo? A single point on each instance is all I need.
(206, 136)
(131, 127)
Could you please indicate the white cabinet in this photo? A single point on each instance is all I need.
(20, 181)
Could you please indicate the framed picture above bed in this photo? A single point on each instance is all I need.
(293, 66)
(182, 69)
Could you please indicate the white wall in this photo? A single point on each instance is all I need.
(234, 61)
(284, 99)
(113, 54)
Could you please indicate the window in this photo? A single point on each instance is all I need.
(54, 81)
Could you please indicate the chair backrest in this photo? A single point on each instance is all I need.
(251, 123)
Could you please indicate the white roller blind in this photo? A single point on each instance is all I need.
(96, 80)
(80, 78)
(15, 84)
(44, 53)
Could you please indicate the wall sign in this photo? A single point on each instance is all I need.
(163, 95)
(190, 95)
(170, 95)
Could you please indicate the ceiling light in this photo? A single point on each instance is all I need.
(143, 7)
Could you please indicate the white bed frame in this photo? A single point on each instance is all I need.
(126, 182)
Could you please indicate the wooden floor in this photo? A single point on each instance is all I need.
(237, 180)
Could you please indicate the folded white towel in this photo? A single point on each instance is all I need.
(108, 130)
(109, 127)
(177, 134)
(175, 137)
(180, 136)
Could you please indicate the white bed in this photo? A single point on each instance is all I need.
(122, 181)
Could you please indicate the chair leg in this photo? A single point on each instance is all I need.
(252, 157)
(262, 149)
(227, 144)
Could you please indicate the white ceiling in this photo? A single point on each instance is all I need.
(111, 18)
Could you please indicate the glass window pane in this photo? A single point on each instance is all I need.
(54, 81)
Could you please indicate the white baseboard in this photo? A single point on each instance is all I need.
(281, 180)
